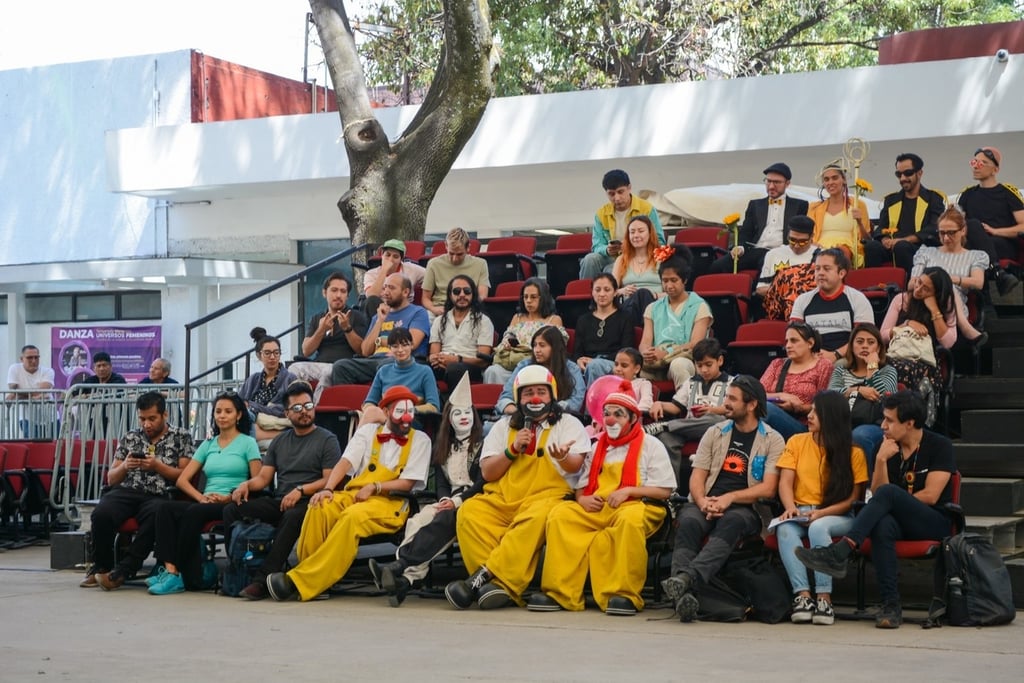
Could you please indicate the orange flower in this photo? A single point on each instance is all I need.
(663, 252)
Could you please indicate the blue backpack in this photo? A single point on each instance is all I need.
(250, 543)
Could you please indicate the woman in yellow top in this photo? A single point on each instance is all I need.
(821, 474)
(839, 219)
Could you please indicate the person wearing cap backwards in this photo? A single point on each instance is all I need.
(995, 216)
(530, 460)
(457, 477)
(765, 224)
(735, 466)
(604, 530)
(391, 254)
(381, 459)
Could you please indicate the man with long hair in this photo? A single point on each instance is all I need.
(461, 339)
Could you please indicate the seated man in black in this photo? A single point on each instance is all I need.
(911, 483)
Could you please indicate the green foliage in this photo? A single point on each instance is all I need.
(551, 45)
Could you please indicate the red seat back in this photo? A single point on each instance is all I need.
(703, 234)
(507, 290)
(878, 277)
(342, 398)
(770, 332)
(516, 245)
(579, 288)
(485, 396)
(577, 240)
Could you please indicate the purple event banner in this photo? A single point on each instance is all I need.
(131, 351)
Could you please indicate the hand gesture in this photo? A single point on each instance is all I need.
(382, 311)
(888, 449)
(593, 503)
(560, 452)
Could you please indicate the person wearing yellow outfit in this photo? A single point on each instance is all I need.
(381, 459)
(604, 531)
(840, 220)
(530, 460)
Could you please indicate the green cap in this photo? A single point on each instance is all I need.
(397, 245)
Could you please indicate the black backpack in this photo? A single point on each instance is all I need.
(972, 585)
(250, 543)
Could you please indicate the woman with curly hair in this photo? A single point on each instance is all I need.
(839, 219)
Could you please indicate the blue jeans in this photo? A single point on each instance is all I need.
(593, 264)
(869, 438)
(784, 423)
(597, 367)
(820, 532)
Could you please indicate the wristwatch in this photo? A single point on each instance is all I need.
(302, 494)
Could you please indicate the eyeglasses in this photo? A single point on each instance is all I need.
(948, 233)
(799, 243)
(988, 155)
(299, 407)
(770, 181)
(906, 173)
(31, 357)
(271, 354)
(462, 290)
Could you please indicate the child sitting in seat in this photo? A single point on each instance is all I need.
(628, 364)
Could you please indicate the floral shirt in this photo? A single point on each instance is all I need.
(170, 448)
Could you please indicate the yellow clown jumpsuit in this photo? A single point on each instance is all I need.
(330, 533)
(611, 543)
(503, 527)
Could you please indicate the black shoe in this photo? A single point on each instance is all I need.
(1005, 282)
(541, 602)
(829, 560)
(889, 616)
(111, 581)
(462, 594)
(679, 589)
(619, 606)
(375, 571)
(257, 590)
(392, 581)
(980, 340)
(492, 596)
(280, 587)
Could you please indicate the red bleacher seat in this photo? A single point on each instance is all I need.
(728, 296)
(707, 244)
(501, 305)
(485, 396)
(879, 284)
(756, 346)
(510, 258)
(564, 260)
(575, 302)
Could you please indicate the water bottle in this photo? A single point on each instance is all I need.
(957, 608)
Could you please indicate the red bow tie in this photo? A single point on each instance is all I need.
(384, 437)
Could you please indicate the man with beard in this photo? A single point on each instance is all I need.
(302, 458)
(603, 532)
(530, 460)
(734, 467)
(461, 339)
(832, 308)
(381, 459)
(908, 219)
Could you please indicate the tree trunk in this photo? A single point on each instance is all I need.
(393, 184)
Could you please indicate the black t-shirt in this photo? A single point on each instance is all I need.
(908, 213)
(334, 346)
(992, 205)
(934, 454)
(733, 476)
(595, 340)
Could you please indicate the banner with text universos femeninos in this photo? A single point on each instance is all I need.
(131, 351)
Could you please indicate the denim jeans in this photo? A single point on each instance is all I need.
(820, 532)
(784, 423)
(598, 367)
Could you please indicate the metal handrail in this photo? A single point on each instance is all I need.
(224, 310)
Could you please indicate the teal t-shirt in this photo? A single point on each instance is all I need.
(226, 468)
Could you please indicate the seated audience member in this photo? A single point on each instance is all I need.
(637, 270)
(733, 469)
(300, 460)
(103, 372)
(392, 253)
(628, 364)
(457, 478)
(227, 458)
(146, 464)
(462, 338)
(263, 391)
(697, 405)
(798, 250)
(610, 221)
(602, 331)
(457, 261)
(380, 459)
(792, 382)
(530, 460)
(674, 323)
(404, 372)
(396, 311)
(159, 373)
(603, 531)
(332, 335)
(864, 378)
(549, 352)
(840, 221)
(536, 310)
(821, 475)
(832, 308)
(27, 374)
(911, 483)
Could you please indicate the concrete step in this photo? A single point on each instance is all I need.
(1005, 533)
(992, 496)
(1016, 569)
(982, 392)
(991, 426)
(1008, 362)
(989, 460)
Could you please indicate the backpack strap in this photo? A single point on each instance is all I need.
(780, 383)
(940, 582)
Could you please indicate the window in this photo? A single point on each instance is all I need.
(140, 306)
(48, 308)
(62, 308)
(95, 307)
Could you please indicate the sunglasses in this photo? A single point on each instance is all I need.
(299, 407)
(988, 155)
(462, 290)
(905, 173)
(799, 243)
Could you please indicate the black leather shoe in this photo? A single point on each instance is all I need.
(541, 602)
(462, 594)
(280, 587)
(492, 596)
(619, 606)
(829, 560)
(392, 581)
(375, 571)
(1005, 282)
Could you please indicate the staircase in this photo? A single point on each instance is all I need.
(990, 450)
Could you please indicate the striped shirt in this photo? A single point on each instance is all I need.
(959, 264)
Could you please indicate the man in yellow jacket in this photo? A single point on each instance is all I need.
(610, 223)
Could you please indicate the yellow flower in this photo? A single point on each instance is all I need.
(731, 219)
(889, 231)
(864, 185)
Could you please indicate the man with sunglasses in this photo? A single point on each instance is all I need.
(301, 458)
(462, 338)
(765, 224)
(908, 219)
(995, 216)
(798, 251)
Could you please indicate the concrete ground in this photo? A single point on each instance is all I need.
(50, 629)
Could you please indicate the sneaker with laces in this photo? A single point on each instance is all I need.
(824, 615)
(169, 583)
(679, 589)
(889, 616)
(656, 428)
(157, 576)
(803, 610)
(462, 594)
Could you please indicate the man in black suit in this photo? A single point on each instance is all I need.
(764, 224)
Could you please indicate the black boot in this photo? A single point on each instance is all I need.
(1005, 282)
(462, 594)
(394, 583)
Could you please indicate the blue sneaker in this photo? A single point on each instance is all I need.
(169, 583)
(157, 577)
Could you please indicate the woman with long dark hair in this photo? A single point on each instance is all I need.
(864, 376)
(793, 381)
(821, 474)
(602, 331)
(536, 310)
(549, 350)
